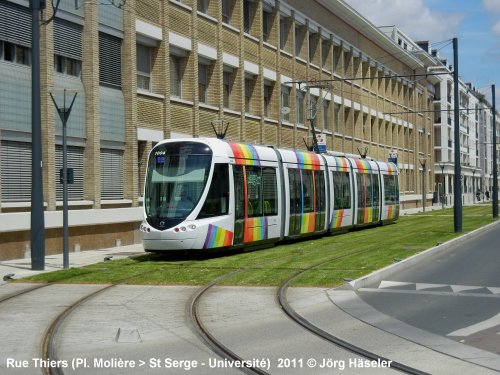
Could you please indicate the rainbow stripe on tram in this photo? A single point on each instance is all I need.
(244, 154)
(307, 222)
(338, 216)
(391, 169)
(255, 229)
(393, 211)
(368, 218)
(307, 160)
(217, 237)
(342, 163)
(363, 165)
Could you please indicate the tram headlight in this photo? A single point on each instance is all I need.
(192, 226)
(183, 229)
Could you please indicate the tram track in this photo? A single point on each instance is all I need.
(22, 292)
(204, 334)
(193, 311)
(48, 346)
(281, 298)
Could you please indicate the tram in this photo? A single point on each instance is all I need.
(207, 193)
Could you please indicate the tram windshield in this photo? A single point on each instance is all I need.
(176, 177)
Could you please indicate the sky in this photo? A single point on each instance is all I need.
(476, 24)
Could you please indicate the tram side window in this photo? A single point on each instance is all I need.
(308, 190)
(341, 190)
(295, 190)
(254, 191)
(391, 190)
(217, 202)
(269, 190)
(319, 182)
(376, 190)
(360, 180)
(369, 190)
(239, 191)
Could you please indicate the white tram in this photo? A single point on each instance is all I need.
(208, 193)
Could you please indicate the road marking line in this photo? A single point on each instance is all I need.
(421, 286)
(390, 284)
(478, 327)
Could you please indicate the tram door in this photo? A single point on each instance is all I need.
(295, 182)
(239, 202)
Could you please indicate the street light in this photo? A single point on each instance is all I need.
(422, 161)
(441, 165)
(473, 186)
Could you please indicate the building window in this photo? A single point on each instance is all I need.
(299, 99)
(247, 9)
(298, 40)
(325, 53)
(326, 114)
(283, 32)
(248, 94)
(111, 174)
(336, 117)
(268, 90)
(266, 25)
(15, 53)
(312, 110)
(110, 62)
(203, 6)
(313, 44)
(226, 11)
(203, 83)
(285, 103)
(227, 86)
(175, 76)
(67, 66)
(143, 57)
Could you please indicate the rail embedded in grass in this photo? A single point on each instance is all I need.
(410, 235)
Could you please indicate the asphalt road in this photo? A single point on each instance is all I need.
(454, 293)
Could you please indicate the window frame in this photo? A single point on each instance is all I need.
(177, 62)
(147, 75)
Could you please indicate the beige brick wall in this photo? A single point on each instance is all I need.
(90, 80)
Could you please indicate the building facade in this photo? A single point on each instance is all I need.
(148, 70)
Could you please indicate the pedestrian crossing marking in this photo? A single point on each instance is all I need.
(436, 289)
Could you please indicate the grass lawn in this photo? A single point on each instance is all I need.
(350, 255)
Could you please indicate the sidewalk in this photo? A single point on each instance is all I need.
(22, 267)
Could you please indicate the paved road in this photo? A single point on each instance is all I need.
(454, 293)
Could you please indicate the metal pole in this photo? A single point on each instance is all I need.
(37, 209)
(423, 184)
(444, 186)
(65, 186)
(495, 155)
(457, 198)
(64, 113)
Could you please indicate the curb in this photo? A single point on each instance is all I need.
(379, 275)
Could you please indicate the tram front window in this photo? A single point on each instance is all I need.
(176, 177)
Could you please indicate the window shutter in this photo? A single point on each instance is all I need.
(15, 24)
(110, 60)
(16, 171)
(111, 174)
(75, 161)
(67, 39)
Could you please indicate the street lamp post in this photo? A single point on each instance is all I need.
(422, 163)
(441, 165)
(473, 187)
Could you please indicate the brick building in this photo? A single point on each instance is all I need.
(149, 70)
